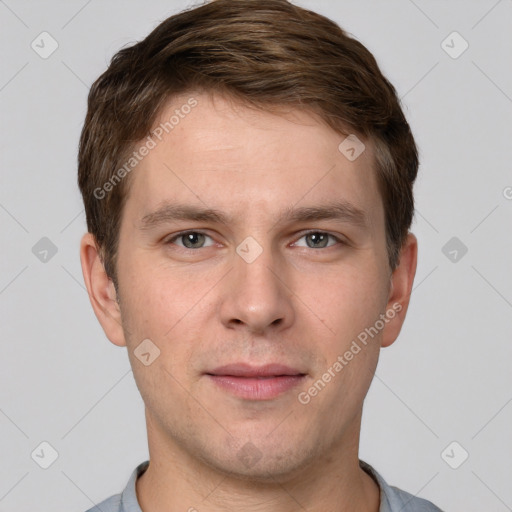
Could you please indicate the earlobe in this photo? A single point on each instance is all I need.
(402, 280)
(101, 290)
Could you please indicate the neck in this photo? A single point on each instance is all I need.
(329, 482)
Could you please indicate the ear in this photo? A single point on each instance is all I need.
(102, 293)
(400, 290)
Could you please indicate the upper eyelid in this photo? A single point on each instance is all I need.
(183, 233)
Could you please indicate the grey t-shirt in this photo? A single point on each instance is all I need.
(391, 498)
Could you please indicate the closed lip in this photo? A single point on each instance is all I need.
(248, 371)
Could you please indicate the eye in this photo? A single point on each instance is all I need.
(190, 240)
(196, 240)
(318, 240)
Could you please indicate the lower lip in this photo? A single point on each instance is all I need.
(253, 388)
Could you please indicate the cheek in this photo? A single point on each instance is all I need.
(157, 308)
(337, 393)
(155, 300)
(165, 305)
(347, 300)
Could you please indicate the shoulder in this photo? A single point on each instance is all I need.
(127, 500)
(112, 504)
(393, 499)
(406, 502)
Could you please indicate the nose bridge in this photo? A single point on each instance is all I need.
(256, 294)
(257, 265)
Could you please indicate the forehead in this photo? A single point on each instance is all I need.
(214, 152)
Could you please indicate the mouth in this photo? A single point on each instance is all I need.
(256, 382)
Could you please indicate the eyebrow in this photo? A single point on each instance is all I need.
(341, 210)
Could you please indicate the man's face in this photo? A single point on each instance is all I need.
(256, 287)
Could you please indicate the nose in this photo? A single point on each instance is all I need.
(256, 296)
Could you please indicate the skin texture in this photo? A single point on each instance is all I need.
(295, 304)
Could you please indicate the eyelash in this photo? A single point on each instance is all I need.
(183, 233)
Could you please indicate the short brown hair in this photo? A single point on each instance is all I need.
(266, 54)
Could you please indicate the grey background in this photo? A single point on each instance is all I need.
(447, 378)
